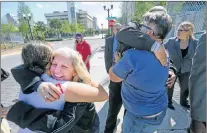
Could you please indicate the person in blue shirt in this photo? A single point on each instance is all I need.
(143, 79)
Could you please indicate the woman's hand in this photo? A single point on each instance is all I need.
(117, 57)
(5, 110)
(171, 79)
(49, 91)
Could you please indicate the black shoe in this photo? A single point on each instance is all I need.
(186, 106)
(188, 130)
(171, 106)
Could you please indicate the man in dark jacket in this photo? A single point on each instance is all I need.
(197, 86)
(115, 101)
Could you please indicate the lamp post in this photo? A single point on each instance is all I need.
(108, 10)
(102, 30)
(28, 18)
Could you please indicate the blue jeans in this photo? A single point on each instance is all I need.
(137, 124)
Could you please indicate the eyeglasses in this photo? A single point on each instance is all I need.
(182, 30)
(139, 26)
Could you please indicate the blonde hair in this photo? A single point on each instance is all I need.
(190, 27)
(77, 63)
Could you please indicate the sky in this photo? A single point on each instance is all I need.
(94, 9)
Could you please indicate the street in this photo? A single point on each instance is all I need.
(175, 121)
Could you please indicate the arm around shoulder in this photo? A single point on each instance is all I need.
(80, 92)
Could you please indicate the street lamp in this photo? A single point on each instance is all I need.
(102, 30)
(28, 18)
(108, 10)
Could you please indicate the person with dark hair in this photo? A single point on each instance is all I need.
(132, 38)
(143, 77)
(197, 88)
(83, 48)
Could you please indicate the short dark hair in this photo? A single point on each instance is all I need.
(36, 56)
(160, 9)
(162, 22)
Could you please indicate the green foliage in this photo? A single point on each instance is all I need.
(50, 31)
(24, 28)
(40, 29)
(65, 27)
(80, 28)
(73, 28)
(9, 28)
(55, 23)
(142, 8)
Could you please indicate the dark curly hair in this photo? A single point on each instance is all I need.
(36, 56)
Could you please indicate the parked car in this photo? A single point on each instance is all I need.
(198, 34)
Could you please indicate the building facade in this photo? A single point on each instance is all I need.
(85, 19)
(57, 15)
(95, 25)
(10, 19)
(71, 8)
(73, 16)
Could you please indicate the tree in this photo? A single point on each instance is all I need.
(56, 24)
(9, 28)
(22, 9)
(73, 28)
(40, 28)
(142, 8)
(65, 27)
(80, 28)
(24, 28)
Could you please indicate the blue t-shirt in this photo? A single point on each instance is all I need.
(144, 78)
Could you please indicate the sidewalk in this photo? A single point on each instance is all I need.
(176, 121)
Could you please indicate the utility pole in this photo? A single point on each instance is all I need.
(108, 10)
(28, 18)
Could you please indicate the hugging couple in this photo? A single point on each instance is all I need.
(57, 92)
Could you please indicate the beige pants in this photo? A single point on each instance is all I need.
(5, 126)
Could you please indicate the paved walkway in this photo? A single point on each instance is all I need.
(176, 121)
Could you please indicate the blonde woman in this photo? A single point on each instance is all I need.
(66, 65)
(181, 50)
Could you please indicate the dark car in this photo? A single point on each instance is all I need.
(198, 34)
